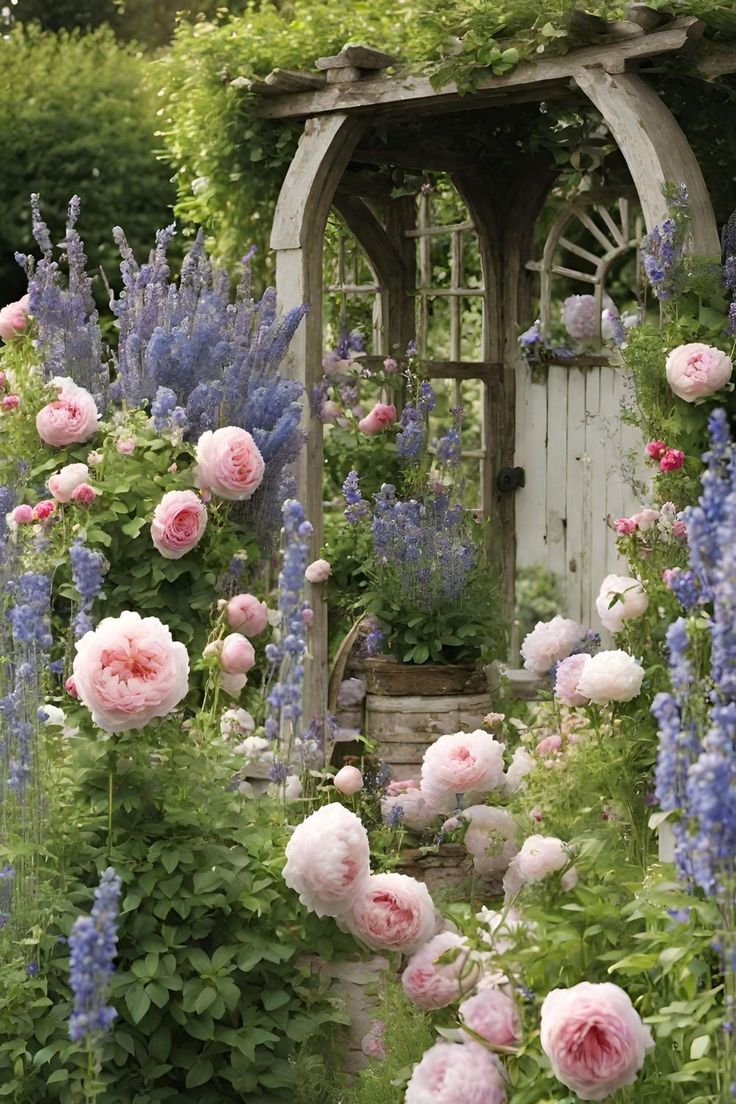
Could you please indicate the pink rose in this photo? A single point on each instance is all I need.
(247, 614)
(461, 763)
(549, 745)
(348, 780)
(549, 642)
(490, 838)
(594, 1038)
(23, 515)
(318, 572)
(372, 1044)
(567, 677)
(695, 371)
(672, 460)
(392, 912)
(410, 809)
(126, 446)
(399, 787)
(71, 687)
(130, 670)
(44, 509)
(456, 1073)
(493, 1016)
(232, 684)
(679, 529)
(229, 463)
(178, 525)
(63, 483)
(431, 984)
(390, 365)
(540, 856)
(620, 599)
(328, 860)
(645, 519)
(10, 402)
(655, 449)
(624, 526)
(84, 494)
(380, 418)
(237, 654)
(611, 676)
(14, 319)
(70, 419)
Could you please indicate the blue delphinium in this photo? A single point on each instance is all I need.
(65, 317)
(662, 250)
(87, 571)
(92, 943)
(449, 448)
(356, 507)
(6, 893)
(729, 279)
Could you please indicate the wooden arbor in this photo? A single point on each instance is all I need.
(342, 111)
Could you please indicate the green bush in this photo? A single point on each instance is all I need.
(78, 116)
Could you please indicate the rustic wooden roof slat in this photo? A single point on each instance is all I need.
(357, 56)
(417, 93)
(293, 80)
(648, 18)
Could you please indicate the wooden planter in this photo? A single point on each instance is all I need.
(408, 707)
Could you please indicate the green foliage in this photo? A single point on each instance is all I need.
(211, 991)
(79, 116)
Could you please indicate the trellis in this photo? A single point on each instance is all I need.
(340, 105)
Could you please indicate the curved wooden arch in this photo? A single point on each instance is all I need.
(302, 208)
(654, 147)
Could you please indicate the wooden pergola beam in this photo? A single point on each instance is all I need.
(417, 94)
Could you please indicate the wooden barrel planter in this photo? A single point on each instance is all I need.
(408, 707)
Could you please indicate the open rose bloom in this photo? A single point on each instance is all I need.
(695, 371)
(620, 599)
(70, 419)
(392, 912)
(328, 860)
(461, 763)
(14, 319)
(456, 1073)
(229, 464)
(549, 642)
(431, 983)
(594, 1039)
(178, 525)
(129, 671)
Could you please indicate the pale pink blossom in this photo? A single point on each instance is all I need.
(247, 614)
(14, 319)
(318, 571)
(348, 780)
(522, 764)
(461, 763)
(494, 1016)
(69, 419)
(84, 494)
(229, 463)
(378, 419)
(456, 1073)
(63, 483)
(679, 529)
(392, 912)
(625, 526)
(10, 402)
(308, 616)
(94, 457)
(695, 371)
(430, 983)
(373, 1045)
(549, 745)
(237, 654)
(71, 687)
(232, 684)
(645, 519)
(570, 879)
(415, 811)
(490, 838)
(399, 787)
(611, 676)
(329, 411)
(126, 446)
(620, 599)
(22, 515)
(390, 365)
(594, 1038)
(178, 525)
(567, 677)
(129, 671)
(549, 642)
(540, 856)
(328, 860)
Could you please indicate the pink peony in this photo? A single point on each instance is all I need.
(348, 780)
(63, 483)
(10, 402)
(247, 614)
(625, 526)
(611, 676)
(540, 856)
(380, 418)
(655, 449)
(229, 463)
(130, 670)
(232, 684)
(84, 494)
(594, 1038)
(237, 654)
(695, 371)
(549, 745)
(549, 642)
(645, 519)
(672, 460)
(490, 838)
(580, 317)
(178, 525)
(493, 1016)
(456, 1073)
(44, 509)
(567, 677)
(372, 1044)
(679, 529)
(22, 515)
(70, 419)
(620, 599)
(411, 809)
(390, 365)
(431, 984)
(318, 572)
(328, 860)
(461, 763)
(392, 912)
(14, 319)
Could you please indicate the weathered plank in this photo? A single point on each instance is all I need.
(357, 56)
(417, 93)
(281, 81)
